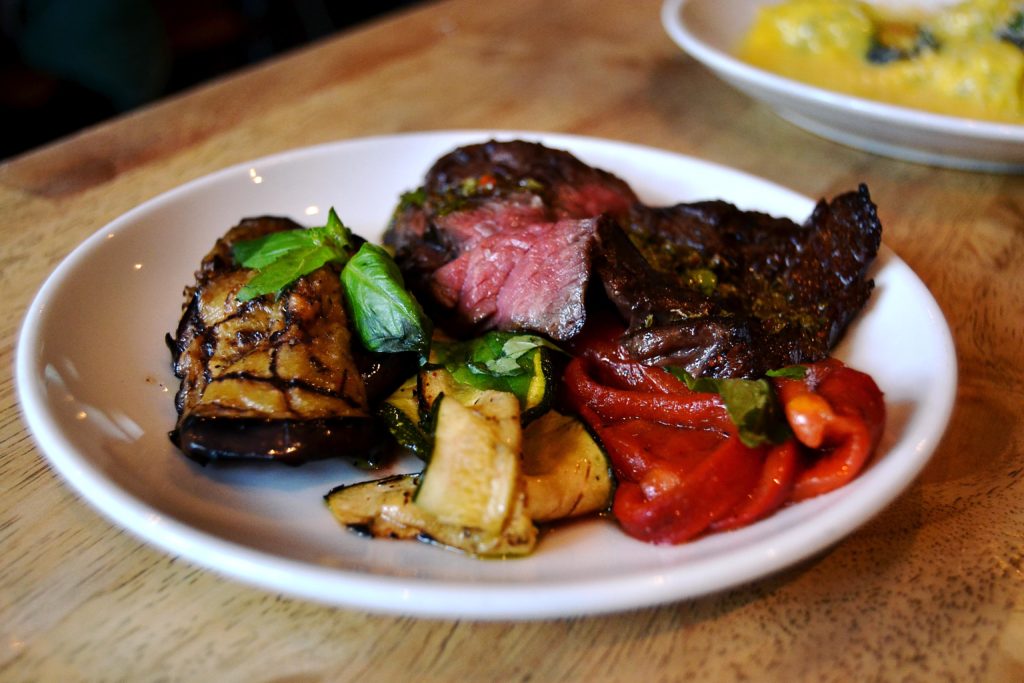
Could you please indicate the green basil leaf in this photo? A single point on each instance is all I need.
(494, 353)
(336, 234)
(751, 404)
(1013, 32)
(789, 372)
(263, 251)
(476, 375)
(280, 258)
(754, 408)
(412, 198)
(285, 270)
(502, 361)
(386, 316)
(512, 358)
(704, 385)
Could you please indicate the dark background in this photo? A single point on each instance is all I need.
(66, 64)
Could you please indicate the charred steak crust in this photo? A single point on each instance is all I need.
(783, 292)
(271, 378)
(556, 177)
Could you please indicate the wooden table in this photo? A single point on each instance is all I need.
(931, 589)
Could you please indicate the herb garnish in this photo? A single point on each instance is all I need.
(386, 316)
(280, 258)
(1013, 32)
(503, 361)
(751, 403)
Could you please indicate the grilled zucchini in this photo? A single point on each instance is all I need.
(566, 471)
(401, 413)
(384, 509)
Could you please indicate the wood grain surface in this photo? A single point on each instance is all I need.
(931, 589)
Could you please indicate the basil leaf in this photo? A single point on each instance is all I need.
(705, 385)
(508, 362)
(754, 408)
(789, 372)
(503, 361)
(263, 251)
(751, 404)
(335, 234)
(1013, 32)
(494, 353)
(285, 270)
(386, 316)
(412, 198)
(280, 258)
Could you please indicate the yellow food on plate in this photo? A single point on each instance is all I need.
(963, 60)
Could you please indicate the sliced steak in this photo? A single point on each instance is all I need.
(566, 186)
(530, 277)
(506, 235)
(510, 199)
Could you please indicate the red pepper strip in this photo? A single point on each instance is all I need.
(639, 446)
(626, 374)
(613, 365)
(838, 411)
(672, 503)
(772, 491)
(611, 404)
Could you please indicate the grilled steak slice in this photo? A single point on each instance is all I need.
(532, 277)
(729, 293)
(563, 184)
(509, 199)
(270, 378)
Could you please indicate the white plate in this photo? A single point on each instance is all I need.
(710, 31)
(96, 386)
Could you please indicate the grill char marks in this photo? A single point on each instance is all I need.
(270, 378)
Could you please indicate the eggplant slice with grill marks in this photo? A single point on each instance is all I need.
(272, 378)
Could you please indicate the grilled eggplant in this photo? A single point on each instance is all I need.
(274, 378)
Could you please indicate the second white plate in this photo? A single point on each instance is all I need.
(710, 31)
(96, 387)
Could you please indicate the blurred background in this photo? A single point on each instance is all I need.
(67, 64)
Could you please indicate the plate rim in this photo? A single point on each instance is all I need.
(429, 598)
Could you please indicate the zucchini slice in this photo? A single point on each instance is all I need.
(535, 390)
(488, 478)
(367, 507)
(400, 412)
(542, 386)
(384, 509)
(473, 477)
(435, 381)
(566, 471)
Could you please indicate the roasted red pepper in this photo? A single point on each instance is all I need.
(839, 413)
(684, 490)
(773, 489)
(681, 466)
(611, 403)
